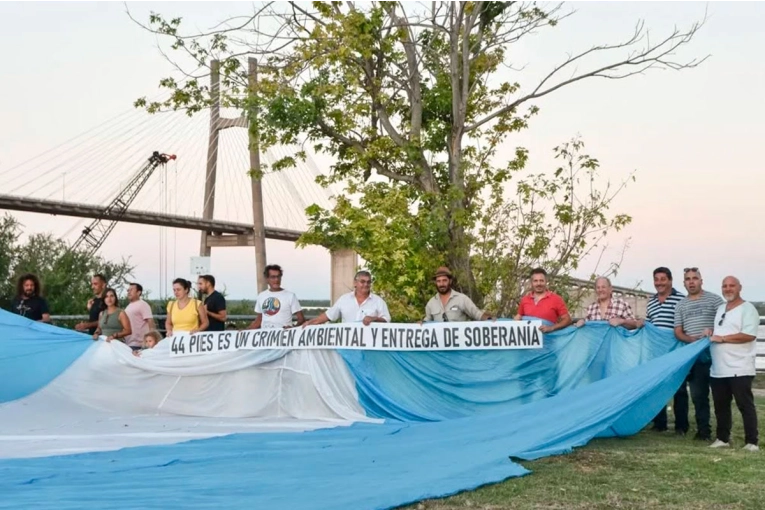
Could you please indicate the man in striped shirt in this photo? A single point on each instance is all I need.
(693, 316)
(661, 313)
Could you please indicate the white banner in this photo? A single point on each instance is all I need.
(436, 336)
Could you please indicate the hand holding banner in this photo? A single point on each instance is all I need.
(435, 336)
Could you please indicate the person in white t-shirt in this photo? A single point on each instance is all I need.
(360, 305)
(276, 306)
(733, 350)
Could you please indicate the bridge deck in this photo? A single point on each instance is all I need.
(214, 227)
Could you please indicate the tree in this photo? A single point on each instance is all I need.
(64, 274)
(412, 103)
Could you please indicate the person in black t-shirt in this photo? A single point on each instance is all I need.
(28, 302)
(95, 304)
(215, 303)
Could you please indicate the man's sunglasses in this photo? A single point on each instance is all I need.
(694, 269)
(722, 318)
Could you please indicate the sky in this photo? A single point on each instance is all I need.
(691, 136)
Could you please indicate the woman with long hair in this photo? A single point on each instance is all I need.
(185, 314)
(113, 322)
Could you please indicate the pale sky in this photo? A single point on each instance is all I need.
(690, 135)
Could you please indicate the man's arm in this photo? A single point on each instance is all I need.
(519, 314)
(45, 312)
(475, 313)
(736, 338)
(257, 322)
(321, 319)
(680, 335)
(563, 322)
(220, 313)
(297, 310)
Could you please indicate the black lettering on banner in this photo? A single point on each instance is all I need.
(410, 335)
(301, 339)
(312, 336)
(192, 343)
(486, 336)
(455, 337)
(502, 333)
(354, 340)
(522, 334)
(291, 337)
(512, 340)
(224, 341)
(320, 337)
(535, 337)
(433, 338)
(374, 337)
(178, 346)
(360, 334)
(447, 337)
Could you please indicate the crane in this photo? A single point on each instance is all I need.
(94, 235)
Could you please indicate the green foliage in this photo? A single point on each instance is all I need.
(412, 103)
(65, 275)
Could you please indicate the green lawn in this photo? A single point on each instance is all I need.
(647, 471)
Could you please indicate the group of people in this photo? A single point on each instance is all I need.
(730, 322)
(727, 367)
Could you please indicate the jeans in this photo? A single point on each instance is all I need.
(698, 380)
(699, 383)
(724, 390)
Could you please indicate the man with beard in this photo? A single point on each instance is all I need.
(95, 305)
(215, 303)
(28, 302)
(450, 305)
(544, 304)
(693, 316)
(734, 349)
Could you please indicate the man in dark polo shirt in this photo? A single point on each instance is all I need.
(543, 304)
(215, 303)
(95, 304)
(661, 313)
(28, 302)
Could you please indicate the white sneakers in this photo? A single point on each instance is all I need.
(722, 444)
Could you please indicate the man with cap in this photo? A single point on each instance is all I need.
(448, 304)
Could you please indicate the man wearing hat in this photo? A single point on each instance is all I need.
(448, 305)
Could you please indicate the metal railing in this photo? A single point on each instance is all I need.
(232, 322)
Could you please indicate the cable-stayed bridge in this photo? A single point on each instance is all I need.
(205, 187)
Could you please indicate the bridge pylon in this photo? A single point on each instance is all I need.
(217, 123)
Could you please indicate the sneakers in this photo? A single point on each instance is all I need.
(751, 448)
(720, 444)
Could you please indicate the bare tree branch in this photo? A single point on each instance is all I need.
(651, 56)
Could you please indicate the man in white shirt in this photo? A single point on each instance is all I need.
(276, 306)
(360, 305)
(734, 349)
(140, 317)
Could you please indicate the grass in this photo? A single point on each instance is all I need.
(647, 471)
